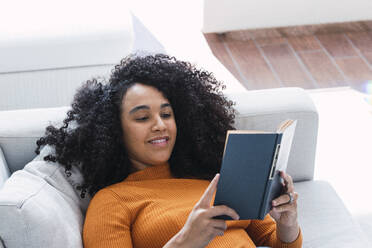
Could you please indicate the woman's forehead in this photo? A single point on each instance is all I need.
(140, 94)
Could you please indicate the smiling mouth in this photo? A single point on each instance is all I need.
(159, 141)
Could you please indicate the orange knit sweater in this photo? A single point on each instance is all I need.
(149, 207)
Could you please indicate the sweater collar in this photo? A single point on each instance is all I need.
(153, 172)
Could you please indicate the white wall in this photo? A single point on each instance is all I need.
(225, 15)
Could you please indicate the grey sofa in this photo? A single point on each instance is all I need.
(40, 208)
(38, 204)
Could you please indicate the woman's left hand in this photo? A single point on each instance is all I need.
(285, 208)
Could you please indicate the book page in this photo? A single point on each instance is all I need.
(285, 146)
(284, 125)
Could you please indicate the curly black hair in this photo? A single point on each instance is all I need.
(92, 137)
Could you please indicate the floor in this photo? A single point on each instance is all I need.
(311, 57)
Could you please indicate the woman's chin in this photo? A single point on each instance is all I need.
(158, 158)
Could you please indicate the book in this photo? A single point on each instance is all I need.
(250, 171)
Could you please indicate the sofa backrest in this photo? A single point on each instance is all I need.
(257, 110)
(20, 129)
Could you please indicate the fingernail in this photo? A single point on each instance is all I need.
(274, 203)
(237, 218)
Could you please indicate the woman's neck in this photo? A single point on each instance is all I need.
(138, 166)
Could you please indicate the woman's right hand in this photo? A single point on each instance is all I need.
(200, 227)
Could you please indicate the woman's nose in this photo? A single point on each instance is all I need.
(159, 124)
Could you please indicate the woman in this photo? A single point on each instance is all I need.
(148, 143)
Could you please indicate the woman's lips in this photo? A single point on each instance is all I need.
(163, 141)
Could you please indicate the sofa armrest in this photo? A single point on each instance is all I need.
(4, 171)
(266, 109)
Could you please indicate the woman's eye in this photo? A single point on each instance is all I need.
(166, 115)
(142, 118)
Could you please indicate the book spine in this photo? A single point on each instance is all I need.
(266, 201)
(264, 206)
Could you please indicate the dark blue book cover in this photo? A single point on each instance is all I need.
(250, 178)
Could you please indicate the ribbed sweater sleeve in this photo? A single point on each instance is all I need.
(107, 222)
(263, 233)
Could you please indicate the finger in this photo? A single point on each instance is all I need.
(287, 181)
(284, 199)
(207, 196)
(222, 210)
(285, 208)
(287, 178)
(218, 232)
(274, 214)
(219, 224)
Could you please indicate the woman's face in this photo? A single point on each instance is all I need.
(149, 126)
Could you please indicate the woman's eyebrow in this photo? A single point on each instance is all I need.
(165, 105)
(135, 109)
(138, 108)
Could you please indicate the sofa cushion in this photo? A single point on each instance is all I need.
(40, 207)
(324, 220)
